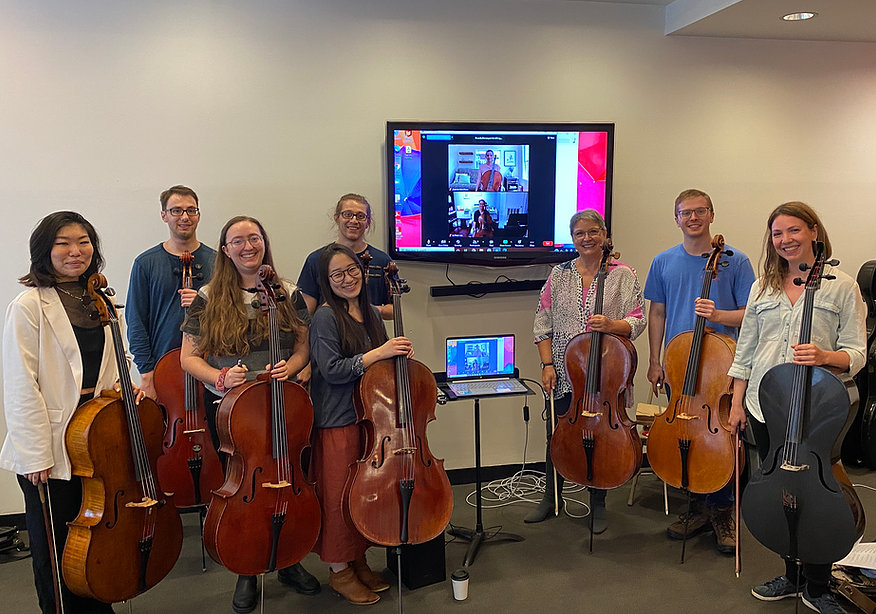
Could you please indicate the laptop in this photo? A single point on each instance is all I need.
(481, 366)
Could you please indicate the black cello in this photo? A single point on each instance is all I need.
(266, 515)
(597, 444)
(796, 491)
(859, 444)
(189, 466)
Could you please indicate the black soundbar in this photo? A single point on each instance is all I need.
(524, 285)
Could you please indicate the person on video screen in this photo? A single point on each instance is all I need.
(489, 176)
(482, 221)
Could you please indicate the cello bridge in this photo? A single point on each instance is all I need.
(193, 431)
(144, 503)
(411, 450)
(590, 414)
(786, 466)
(687, 417)
(280, 484)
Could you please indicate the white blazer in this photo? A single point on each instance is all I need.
(42, 377)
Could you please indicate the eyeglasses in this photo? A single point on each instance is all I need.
(349, 215)
(353, 271)
(178, 211)
(254, 240)
(700, 211)
(590, 234)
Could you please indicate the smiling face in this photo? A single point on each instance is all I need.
(182, 227)
(345, 277)
(694, 216)
(792, 239)
(588, 239)
(490, 156)
(352, 229)
(71, 252)
(245, 246)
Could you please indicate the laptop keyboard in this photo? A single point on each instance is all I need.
(483, 387)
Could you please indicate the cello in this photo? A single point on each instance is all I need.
(597, 444)
(189, 466)
(399, 492)
(690, 444)
(801, 489)
(128, 533)
(266, 515)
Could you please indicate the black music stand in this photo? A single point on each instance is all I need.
(477, 536)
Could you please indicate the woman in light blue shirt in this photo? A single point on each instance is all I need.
(769, 336)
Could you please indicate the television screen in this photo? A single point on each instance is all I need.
(493, 193)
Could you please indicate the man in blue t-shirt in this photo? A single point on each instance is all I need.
(673, 288)
(156, 299)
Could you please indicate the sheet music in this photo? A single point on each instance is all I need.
(862, 555)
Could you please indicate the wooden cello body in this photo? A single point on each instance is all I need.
(399, 492)
(801, 490)
(689, 444)
(266, 515)
(596, 444)
(128, 535)
(189, 466)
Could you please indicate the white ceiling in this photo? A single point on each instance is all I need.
(837, 20)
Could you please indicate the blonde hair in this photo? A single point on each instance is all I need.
(774, 268)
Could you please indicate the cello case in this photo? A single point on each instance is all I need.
(859, 445)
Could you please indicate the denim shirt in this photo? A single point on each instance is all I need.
(771, 325)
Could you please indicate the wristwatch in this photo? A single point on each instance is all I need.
(547, 364)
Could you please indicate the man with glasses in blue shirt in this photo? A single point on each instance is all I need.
(156, 299)
(673, 288)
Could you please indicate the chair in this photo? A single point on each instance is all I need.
(645, 413)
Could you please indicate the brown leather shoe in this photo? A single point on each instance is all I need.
(724, 525)
(347, 585)
(694, 522)
(373, 581)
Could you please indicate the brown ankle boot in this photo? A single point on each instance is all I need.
(373, 581)
(350, 588)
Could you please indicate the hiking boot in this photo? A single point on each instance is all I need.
(724, 525)
(777, 588)
(697, 522)
(372, 580)
(347, 585)
(825, 603)
(246, 594)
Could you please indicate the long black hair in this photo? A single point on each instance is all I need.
(356, 338)
(42, 240)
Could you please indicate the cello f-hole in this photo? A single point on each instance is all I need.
(249, 498)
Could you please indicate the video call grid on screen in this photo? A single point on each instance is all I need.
(528, 182)
(475, 357)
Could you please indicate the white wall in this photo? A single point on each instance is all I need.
(275, 108)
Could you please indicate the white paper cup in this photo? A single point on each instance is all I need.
(459, 581)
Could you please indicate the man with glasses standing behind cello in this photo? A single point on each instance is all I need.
(673, 287)
(156, 303)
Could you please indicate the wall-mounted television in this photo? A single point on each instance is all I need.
(493, 193)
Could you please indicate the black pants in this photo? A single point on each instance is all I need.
(817, 576)
(66, 498)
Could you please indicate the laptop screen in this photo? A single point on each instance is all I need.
(474, 357)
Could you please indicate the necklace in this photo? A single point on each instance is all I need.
(70, 294)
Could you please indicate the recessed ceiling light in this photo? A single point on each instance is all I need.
(802, 16)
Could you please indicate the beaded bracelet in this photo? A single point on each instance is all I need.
(220, 381)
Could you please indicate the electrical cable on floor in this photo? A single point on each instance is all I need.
(526, 485)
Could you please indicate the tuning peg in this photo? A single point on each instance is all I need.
(256, 303)
(798, 281)
(728, 252)
(198, 276)
(706, 255)
(832, 262)
(804, 266)
(828, 277)
(109, 292)
(176, 270)
(725, 263)
(280, 298)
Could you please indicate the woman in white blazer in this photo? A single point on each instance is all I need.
(55, 356)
